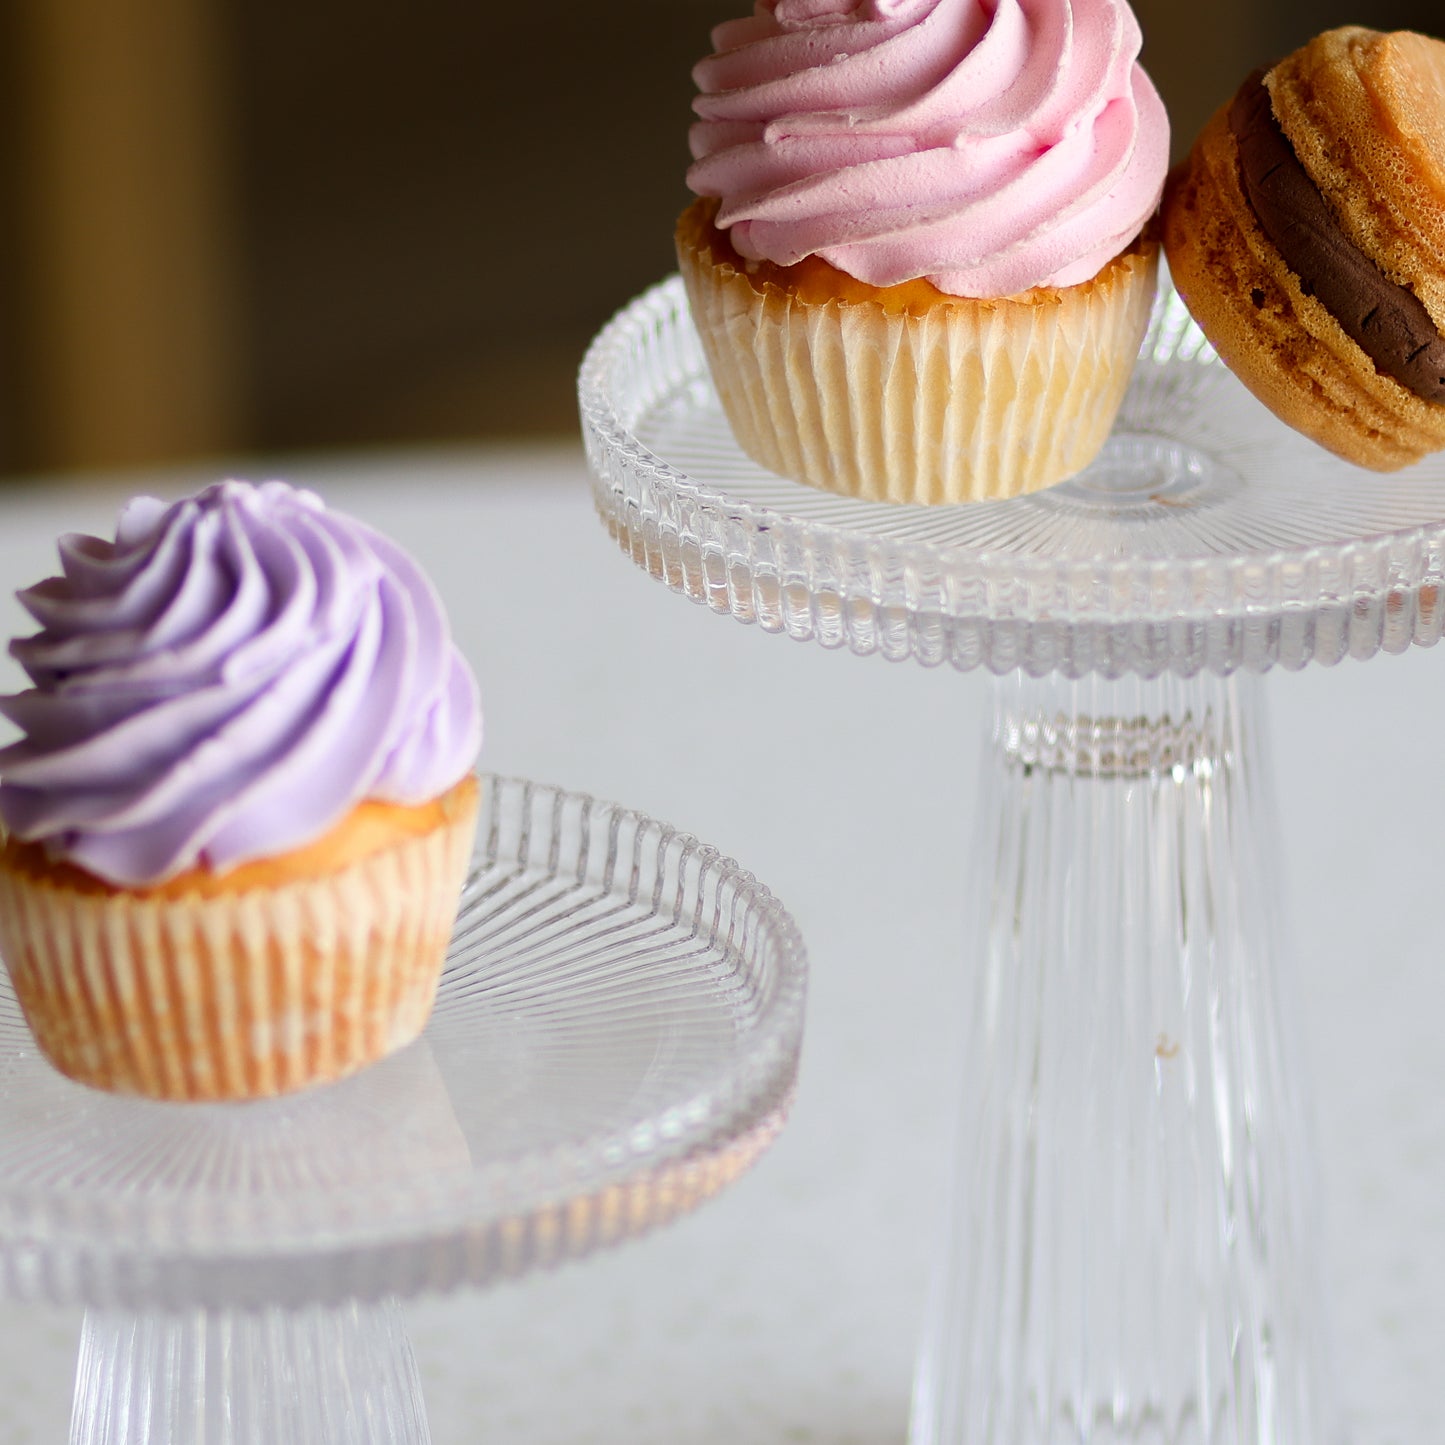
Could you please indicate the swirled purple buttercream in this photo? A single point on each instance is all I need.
(225, 681)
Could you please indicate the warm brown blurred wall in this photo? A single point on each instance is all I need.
(122, 307)
(266, 225)
(444, 201)
(1198, 54)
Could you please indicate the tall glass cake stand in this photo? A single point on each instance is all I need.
(615, 1040)
(1129, 1256)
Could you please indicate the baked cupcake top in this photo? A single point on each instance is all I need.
(986, 147)
(225, 681)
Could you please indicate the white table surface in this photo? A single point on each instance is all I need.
(787, 1311)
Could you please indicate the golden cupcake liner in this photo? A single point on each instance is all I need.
(236, 996)
(968, 400)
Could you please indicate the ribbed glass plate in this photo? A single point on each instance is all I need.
(1206, 536)
(615, 1038)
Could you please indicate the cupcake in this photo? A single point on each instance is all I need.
(921, 262)
(1306, 233)
(235, 828)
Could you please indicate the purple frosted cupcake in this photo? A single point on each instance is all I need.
(234, 832)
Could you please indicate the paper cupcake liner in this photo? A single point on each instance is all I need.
(236, 996)
(967, 401)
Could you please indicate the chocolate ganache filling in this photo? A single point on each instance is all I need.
(1387, 321)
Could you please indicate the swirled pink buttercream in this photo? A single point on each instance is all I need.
(224, 681)
(987, 145)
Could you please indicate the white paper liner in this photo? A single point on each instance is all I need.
(236, 996)
(987, 399)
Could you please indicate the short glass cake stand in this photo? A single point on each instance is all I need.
(1130, 1254)
(615, 1040)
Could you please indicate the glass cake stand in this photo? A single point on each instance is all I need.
(615, 1039)
(1130, 1253)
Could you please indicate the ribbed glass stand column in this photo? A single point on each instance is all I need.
(343, 1376)
(1129, 1255)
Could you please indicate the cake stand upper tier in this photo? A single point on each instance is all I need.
(615, 1038)
(1206, 536)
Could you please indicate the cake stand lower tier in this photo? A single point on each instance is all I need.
(1129, 1256)
(615, 1039)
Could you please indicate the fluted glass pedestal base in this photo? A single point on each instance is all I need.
(345, 1376)
(1129, 1255)
(1129, 1259)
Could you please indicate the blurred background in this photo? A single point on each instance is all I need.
(266, 226)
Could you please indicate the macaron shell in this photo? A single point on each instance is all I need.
(1283, 344)
(1365, 114)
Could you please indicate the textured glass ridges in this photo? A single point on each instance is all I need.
(1208, 537)
(615, 1038)
(344, 1377)
(1129, 1258)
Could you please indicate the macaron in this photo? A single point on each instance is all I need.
(1305, 231)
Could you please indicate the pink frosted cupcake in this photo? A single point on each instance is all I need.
(922, 263)
(237, 824)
